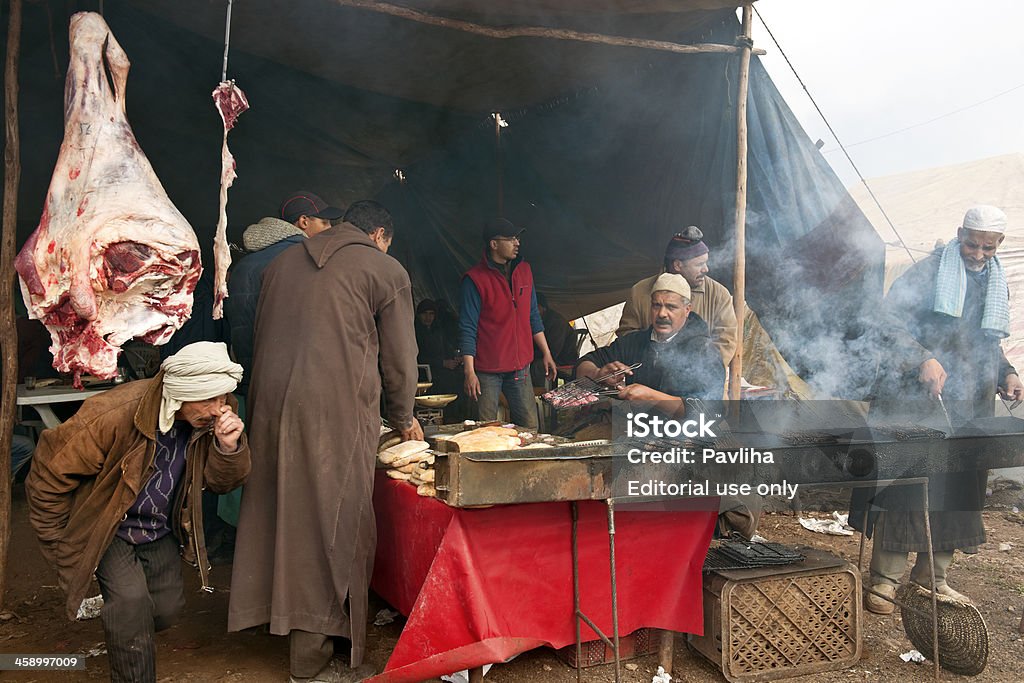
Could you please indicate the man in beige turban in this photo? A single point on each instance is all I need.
(116, 491)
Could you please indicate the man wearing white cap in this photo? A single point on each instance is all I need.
(678, 358)
(943, 321)
(116, 491)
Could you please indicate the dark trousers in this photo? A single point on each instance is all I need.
(142, 594)
(308, 653)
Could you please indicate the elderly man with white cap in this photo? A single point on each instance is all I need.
(678, 358)
(116, 491)
(943, 321)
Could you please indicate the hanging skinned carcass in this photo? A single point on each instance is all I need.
(112, 258)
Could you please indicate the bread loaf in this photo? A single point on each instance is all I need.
(404, 449)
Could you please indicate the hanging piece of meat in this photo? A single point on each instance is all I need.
(112, 258)
(230, 102)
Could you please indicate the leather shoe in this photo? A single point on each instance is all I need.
(336, 673)
(945, 590)
(873, 603)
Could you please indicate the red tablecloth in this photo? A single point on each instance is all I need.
(479, 586)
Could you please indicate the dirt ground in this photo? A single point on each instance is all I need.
(199, 649)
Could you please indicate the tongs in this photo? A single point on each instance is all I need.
(612, 391)
(945, 412)
(623, 371)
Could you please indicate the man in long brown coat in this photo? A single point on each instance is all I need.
(330, 308)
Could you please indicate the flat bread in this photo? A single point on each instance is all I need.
(401, 476)
(488, 442)
(389, 455)
(413, 459)
(427, 490)
(483, 432)
(389, 442)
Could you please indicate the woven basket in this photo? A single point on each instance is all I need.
(963, 636)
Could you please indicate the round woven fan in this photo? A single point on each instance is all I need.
(963, 636)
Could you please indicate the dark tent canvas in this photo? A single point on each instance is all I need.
(608, 149)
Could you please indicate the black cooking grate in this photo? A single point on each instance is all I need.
(907, 432)
(750, 555)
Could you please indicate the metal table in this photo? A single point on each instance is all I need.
(42, 399)
(588, 471)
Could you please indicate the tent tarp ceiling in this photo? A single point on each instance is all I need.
(439, 66)
(608, 151)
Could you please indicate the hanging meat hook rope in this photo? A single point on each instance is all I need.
(230, 102)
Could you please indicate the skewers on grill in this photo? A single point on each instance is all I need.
(584, 390)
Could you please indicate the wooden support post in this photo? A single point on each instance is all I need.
(499, 170)
(507, 32)
(739, 283)
(8, 231)
(666, 650)
(476, 675)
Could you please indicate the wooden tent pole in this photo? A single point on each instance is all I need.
(739, 283)
(536, 31)
(498, 164)
(8, 333)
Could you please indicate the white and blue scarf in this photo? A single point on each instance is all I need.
(951, 290)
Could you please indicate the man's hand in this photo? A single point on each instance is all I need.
(228, 429)
(933, 376)
(550, 369)
(614, 366)
(642, 392)
(472, 385)
(1012, 389)
(414, 432)
(450, 364)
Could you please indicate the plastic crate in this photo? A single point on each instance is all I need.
(637, 644)
(776, 622)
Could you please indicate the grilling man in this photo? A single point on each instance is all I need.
(687, 255)
(944, 319)
(677, 356)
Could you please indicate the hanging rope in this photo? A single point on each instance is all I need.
(227, 44)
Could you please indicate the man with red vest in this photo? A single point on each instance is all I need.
(499, 325)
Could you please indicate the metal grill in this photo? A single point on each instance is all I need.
(580, 392)
(750, 555)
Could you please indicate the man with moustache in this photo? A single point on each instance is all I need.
(686, 254)
(943, 321)
(679, 361)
